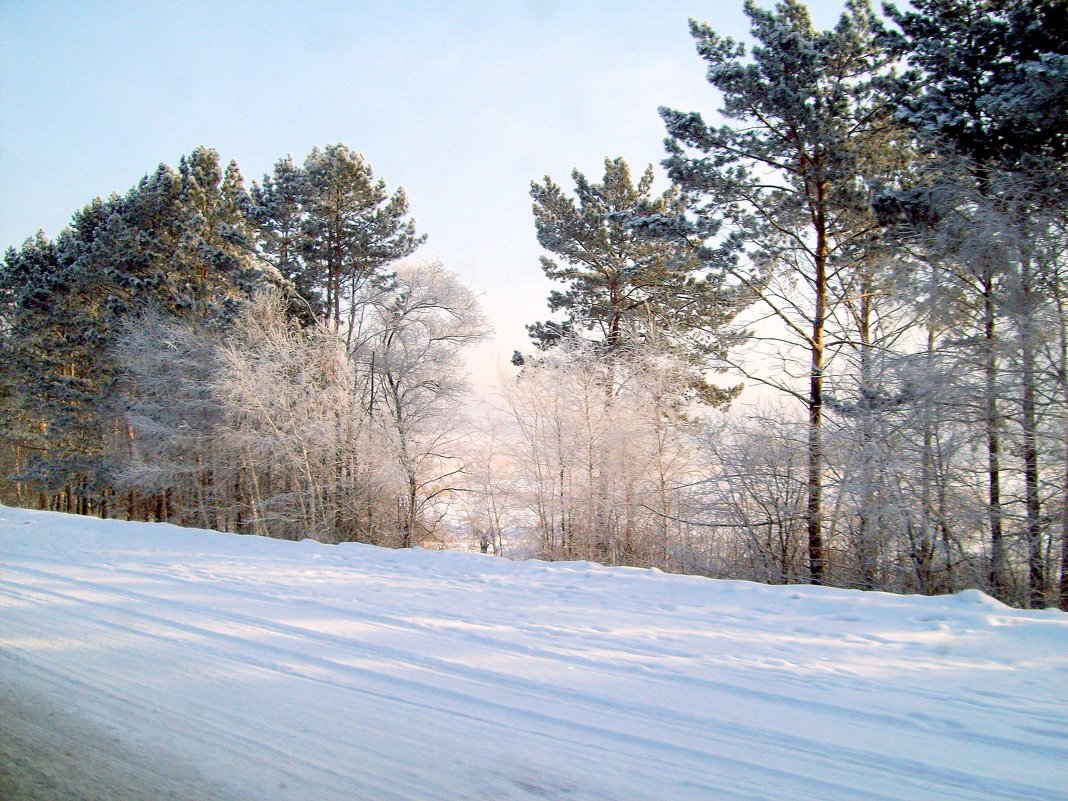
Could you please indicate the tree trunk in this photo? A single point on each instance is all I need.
(868, 545)
(409, 512)
(1036, 563)
(239, 500)
(1062, 377)
(1064, 529)
(1026, 327)
(998, 583)
(927, 466)
(814, 509)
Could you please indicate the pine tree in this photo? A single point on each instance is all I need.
(626, 288)
(277, 210)
(353, 230)
(178, 243)
(54, 371)
(786, 177)
(991, 77)
(212, 268)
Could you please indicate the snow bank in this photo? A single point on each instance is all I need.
(305, 671)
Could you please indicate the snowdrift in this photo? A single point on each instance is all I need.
(280, 670)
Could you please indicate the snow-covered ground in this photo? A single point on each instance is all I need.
(262, 669)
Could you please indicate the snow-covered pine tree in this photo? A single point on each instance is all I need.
(177, 243)
(277, 212)
(46, 376)
(212, 268)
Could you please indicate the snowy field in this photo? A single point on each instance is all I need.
(258, 669)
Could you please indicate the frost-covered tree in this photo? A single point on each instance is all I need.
(305, 460)
(1055, 278)
(643, 320)
(353, 229)
(277, 210)
(603, 480)
(331, 230)
(177, 242)
(285, 429)
(192, 245)
(52, 383)
(413, 363)
(174, 453)
(211, 264)
(754, 498)
(987, 99)
(490, 502)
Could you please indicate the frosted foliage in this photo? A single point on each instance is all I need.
(296, 416)
(603, 453)
(276, 429)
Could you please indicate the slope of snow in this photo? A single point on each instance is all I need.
(279, 670)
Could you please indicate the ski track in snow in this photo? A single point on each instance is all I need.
(302, 671)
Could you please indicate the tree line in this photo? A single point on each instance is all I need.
(873, 230)
(237, 359)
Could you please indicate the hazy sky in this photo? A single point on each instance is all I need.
(462, 103)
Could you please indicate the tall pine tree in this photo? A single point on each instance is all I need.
(786, 177)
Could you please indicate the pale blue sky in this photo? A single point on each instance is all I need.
(462, 103)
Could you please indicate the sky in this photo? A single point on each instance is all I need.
(461, 102)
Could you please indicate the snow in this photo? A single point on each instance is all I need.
(281, 670)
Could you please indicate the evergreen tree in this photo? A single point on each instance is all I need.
(353, 229)
(52, 348)
(787, 177)
(277, 209)
(624, 287)
(212, 268)
(990, 80)
(178, 243)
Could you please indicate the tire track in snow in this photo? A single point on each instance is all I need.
(992, 703)
(655, 672)
(521, 723)
(757, 736)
